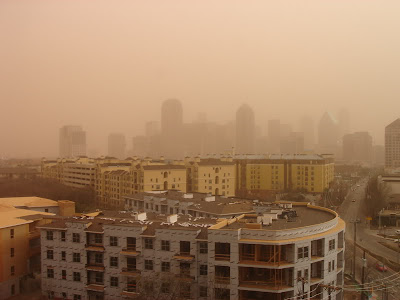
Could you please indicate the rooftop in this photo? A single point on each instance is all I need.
(11, 216)
(27, 202)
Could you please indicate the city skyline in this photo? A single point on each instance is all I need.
(283, 61)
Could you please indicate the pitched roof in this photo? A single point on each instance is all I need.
(394, 124)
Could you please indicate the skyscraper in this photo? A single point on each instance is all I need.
(392, 145)
(72, 141)
(328, 134)
(245, 130)
(116, 145)
(357, 147)
(172, 128)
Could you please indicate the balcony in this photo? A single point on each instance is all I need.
(222, 256)
(265, 255)
(129, 294)
(94, 247)
(130, 251)
(265, 279)
(96, 287)
(222, 280)
(130, 272)
(99, 267)
(184, 256)
(185, 277)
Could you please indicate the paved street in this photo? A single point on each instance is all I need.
(368, 239)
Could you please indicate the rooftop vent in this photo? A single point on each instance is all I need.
(188, 196)
(140, 216)
(209, 199)
(172, 218)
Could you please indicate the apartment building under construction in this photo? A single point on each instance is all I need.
(281, 251)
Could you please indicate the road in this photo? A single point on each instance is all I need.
(350, 211)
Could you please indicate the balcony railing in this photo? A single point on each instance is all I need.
(131, 251)
(222, 280)
(221, 256)
(94, 247)
(95, 266)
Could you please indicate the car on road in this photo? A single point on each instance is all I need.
(381, 267)
(354, 200)
(398, 232)
(358, 185)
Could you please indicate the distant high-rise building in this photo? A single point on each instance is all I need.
(328, 134)
(116, 145)
(378, 155)
(152, 128)
(72, 141)
(357, 147)
(274, 135)
(172, 128)
(245, 130)
(343, 118)
(392, 145)
(293, 144)
(308, 128)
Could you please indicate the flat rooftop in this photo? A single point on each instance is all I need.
(306, 216)
(27, 202)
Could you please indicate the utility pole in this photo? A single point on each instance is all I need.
(354, 245)
(362, 277)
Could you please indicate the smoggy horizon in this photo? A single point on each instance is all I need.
(108, 66)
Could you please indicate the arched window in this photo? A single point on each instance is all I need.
(216, 180)
(217, 191)
(165, 185)
(165, 174)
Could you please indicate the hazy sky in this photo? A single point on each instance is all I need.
(108, 65)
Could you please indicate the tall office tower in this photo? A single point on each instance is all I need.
(328, 134)
(72, 141)
(274, 135)
(378, 155)
(172, 128)
(343, 118)
(245, 130)
(392, 145)
(357, 147)
(116, 145)
(308, 128)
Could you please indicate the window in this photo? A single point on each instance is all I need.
(13, 289)
(64, 274)
(64, 295)
(148, 264)
(203, 247)
(98, 258)
(333, 265)
(99, 277)
(49, 235)
(12, 252)
(11, 233)
(298, 275)
(203, 291)
(331, 245)
(302, 252)
(50, 273)
(98, 238)
(113, 261)
(114, 281)
(77, 297)
(148, 243)
(329, 266)
(203, 269)
(63, 255)
(76, 238)
(76, 257)
(165, 266)
(306, 274)
(165, 245)
(50, 254)
(50, 294)
(77, 276)
(113, 241)
(62, 236)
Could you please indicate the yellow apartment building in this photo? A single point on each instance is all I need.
(301, 172)
(20, 240)
(210, 175)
